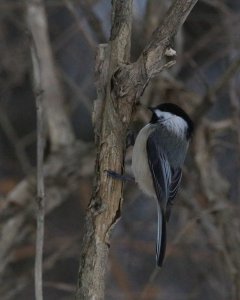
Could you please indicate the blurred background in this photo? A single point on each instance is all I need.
(203, 251)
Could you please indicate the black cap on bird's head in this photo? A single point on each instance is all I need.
(157, 114)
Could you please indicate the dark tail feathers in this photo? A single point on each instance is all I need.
(161, 238)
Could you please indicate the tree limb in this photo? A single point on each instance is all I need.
(131, 80)
(107, 195)
(59, 127)
(40, 200)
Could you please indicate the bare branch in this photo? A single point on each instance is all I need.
(40, 200)
(121, 31)
(58, 124)
(131, 79)
(106, 200)
(38, 85)
(161, 37)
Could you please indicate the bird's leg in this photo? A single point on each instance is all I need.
(130, 140)
(123, 177)
(131, 137)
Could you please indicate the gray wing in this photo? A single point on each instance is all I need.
(160, 170)
(162, 178)
(173, 189)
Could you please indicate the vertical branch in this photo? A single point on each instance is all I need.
(60, 131)
(40, 198)
(104, 207)
(35, 10)
(40, 177)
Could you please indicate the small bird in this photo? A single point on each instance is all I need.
(158, 156)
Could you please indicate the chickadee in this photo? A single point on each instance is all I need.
(158, 155)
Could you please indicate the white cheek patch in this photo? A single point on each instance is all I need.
(162, 114)
(167, 115)
(176, 125)
(172, 122)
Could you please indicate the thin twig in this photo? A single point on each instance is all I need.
(40, 199)
(32, 9)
